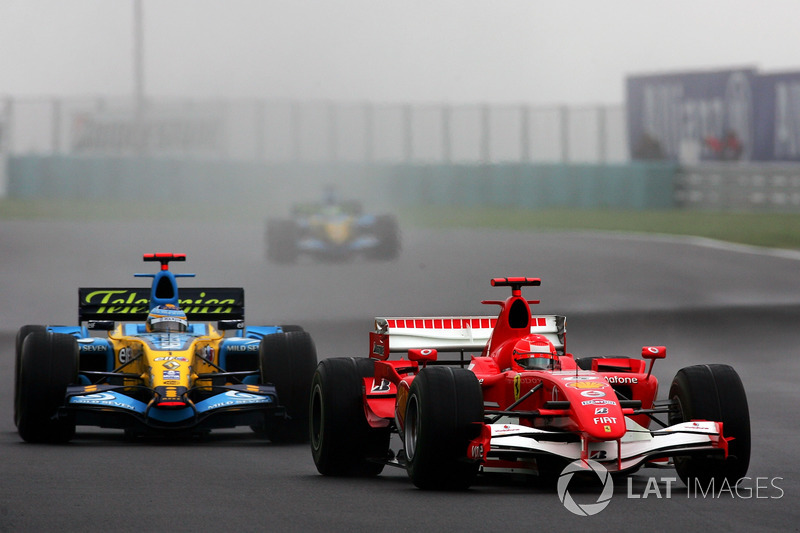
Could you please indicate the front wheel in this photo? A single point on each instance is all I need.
(22, 334)
(287, 361)
(48, 365)
(342, 442)
(443, 413)
(716, 393)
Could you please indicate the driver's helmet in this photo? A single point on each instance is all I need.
(534, 352)
(166, 318)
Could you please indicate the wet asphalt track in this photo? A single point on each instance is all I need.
(705, 304)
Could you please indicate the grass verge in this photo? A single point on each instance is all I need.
(774, 230)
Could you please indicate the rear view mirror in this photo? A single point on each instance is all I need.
(227, 325)
(654, 352)
(105, 325)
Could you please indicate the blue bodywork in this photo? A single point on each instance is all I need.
(104, 395)
(333, 231)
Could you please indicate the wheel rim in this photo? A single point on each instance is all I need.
(411, 427)
(317, 417)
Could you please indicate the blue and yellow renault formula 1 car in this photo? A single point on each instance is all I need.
(159, 370)
(333, 231)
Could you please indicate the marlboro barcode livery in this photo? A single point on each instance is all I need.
(514, 400)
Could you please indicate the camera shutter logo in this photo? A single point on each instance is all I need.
(587, 509)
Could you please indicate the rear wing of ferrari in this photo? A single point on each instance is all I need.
(133, 304)
(452, 333)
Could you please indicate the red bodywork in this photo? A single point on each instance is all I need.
(591, 404)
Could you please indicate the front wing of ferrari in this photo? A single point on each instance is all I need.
(513, 448)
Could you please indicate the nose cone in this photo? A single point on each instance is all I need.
(606, 427)
(170, 397)
(595, 407)
(338, 232)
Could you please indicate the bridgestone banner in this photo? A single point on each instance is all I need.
(108, 133)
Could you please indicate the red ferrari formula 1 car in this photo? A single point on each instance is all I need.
(520, 404)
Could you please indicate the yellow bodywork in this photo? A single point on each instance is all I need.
(337, 231)
(166, 365)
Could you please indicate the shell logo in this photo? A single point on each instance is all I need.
(586, 384)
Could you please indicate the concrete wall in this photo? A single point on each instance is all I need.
(621, 186)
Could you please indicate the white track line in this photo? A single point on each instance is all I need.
(705, 242)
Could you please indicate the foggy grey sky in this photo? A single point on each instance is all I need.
(515, 51)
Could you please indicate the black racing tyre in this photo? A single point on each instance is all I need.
(342, 442)
(443, 413)
(48, 364)
(712, 392)
(388, 234)
(288, 361)
(282, 238)
(291, 327)
(23, 332)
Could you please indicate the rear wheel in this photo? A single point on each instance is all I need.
(23, 332)
(287, 361)
(443, 413)
(342, 442)
(712, 392)
(388, 234)
(48, 364)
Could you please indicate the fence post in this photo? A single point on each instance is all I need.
(333, 133)
(369, 133)
(297, 148)
(408, 137)
(564, 112)
(602, 134)
(525, 134)
(260, 133)
(447, 140)
(7, 127)
(486, 154)
(5, 143)
(55, 139)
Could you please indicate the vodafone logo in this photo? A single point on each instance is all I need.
(622, 379)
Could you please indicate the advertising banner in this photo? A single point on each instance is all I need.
(692, 116)
(122, 134)
(778, 117)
